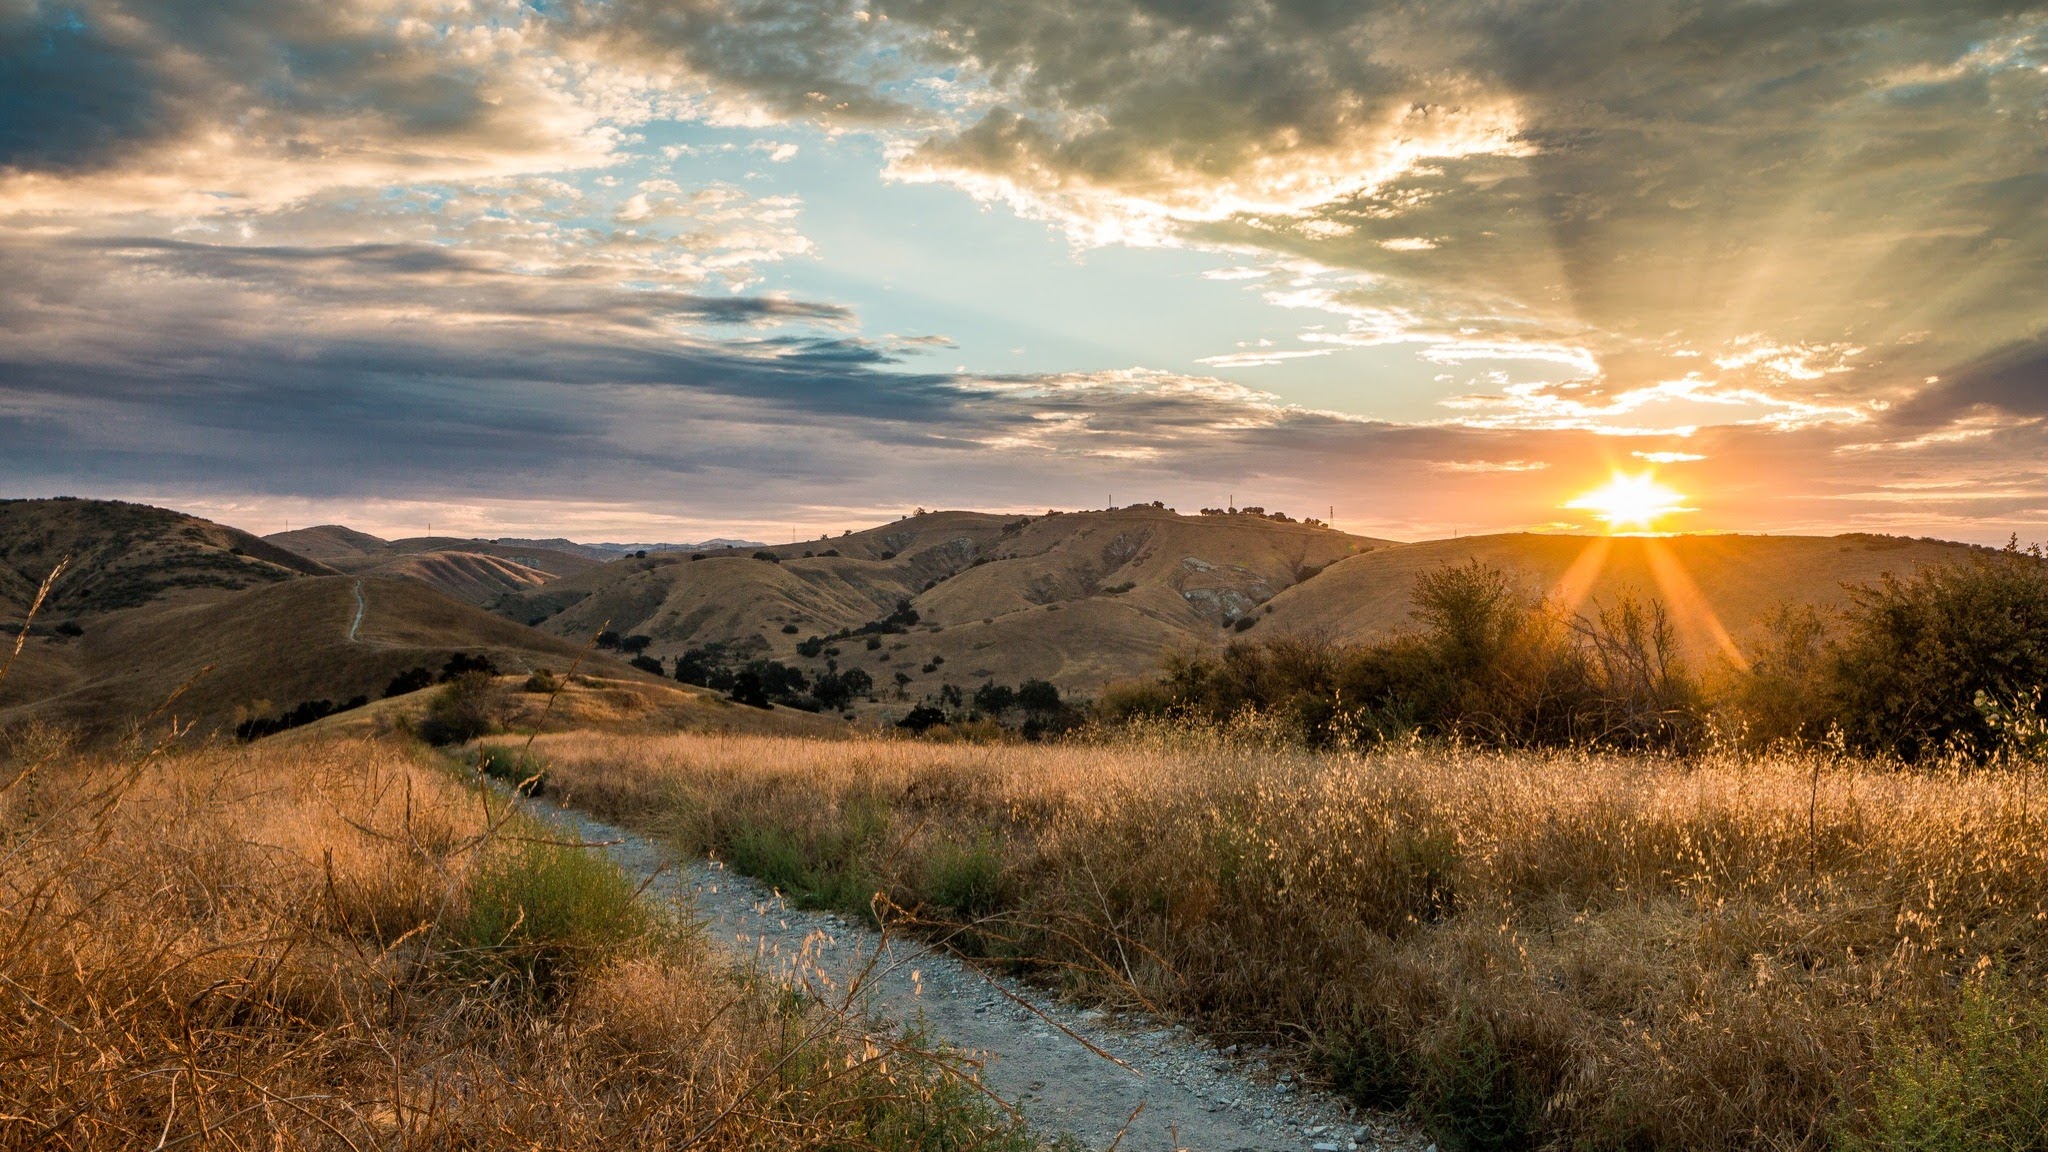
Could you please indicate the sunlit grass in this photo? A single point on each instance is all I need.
(1596, 951)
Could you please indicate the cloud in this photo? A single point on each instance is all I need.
(197, 107)
(1634, 184)
(356, 250)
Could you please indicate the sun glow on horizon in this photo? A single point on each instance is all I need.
(1628, 504)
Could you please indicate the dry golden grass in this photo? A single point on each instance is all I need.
(1567, 950)
(344, 945)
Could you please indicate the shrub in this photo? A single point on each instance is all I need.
(648, 664)
(543, 681)
(70, 628)
(1244, 623)
(460, 711)
(789, 629)
(922, 717)
(771, 557)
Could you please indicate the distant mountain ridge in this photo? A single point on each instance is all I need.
(470, 570)
(615, 551)
(1077, 598)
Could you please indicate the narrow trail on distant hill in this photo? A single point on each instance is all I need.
(362, 606)
(1186, 1094)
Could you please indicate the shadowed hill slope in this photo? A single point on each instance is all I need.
(262, 651)
(1076, 598)
(1713, 585)
(127, 555)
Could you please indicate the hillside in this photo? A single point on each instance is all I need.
(1075, 598)
(154, 599)
(1714, 585)
(126, 555)
(474, 571)
(262, 651)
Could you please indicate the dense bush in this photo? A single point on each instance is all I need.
(1931, 663)
(408, 681)
(462, 710)
(304, 713)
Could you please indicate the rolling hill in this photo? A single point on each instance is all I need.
(1075, 598)
(124, 555)
(1715, 586)
(155, 600)
(475, 571)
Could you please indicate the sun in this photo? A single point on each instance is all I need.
(1631, 503)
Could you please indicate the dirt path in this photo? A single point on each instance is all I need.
(362, 605)
(1193, 1096)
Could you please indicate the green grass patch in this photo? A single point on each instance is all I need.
(539, 912)
(522, 770)
(1978, 1085)
(831, 868)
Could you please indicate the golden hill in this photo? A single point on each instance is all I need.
(475, 571)
(1075, 598)
(1715, 586)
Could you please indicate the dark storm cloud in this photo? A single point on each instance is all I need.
(69, 97)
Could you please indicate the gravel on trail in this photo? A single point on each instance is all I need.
(1172, 1091)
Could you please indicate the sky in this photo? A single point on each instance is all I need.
(672, 269)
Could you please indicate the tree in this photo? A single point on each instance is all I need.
(995, 699)
(411, 680)
(1929, 662)
(747, 689)
(1038, 696)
